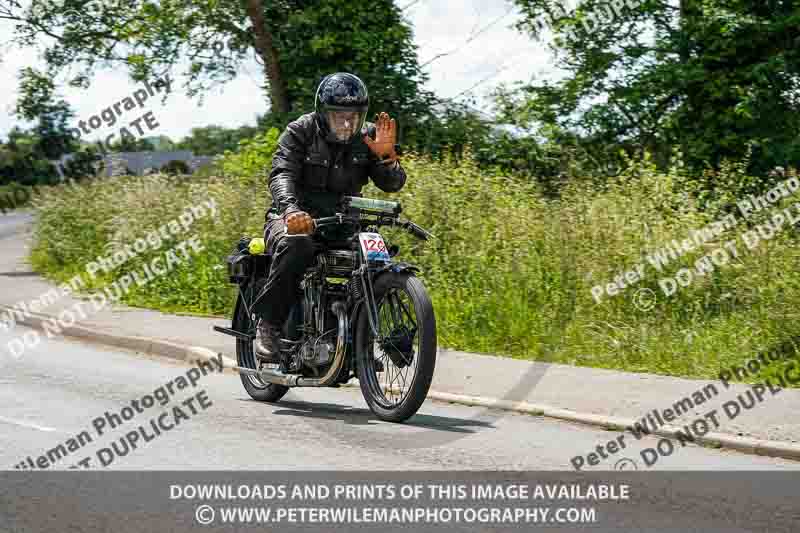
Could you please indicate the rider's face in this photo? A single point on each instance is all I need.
(344, 124)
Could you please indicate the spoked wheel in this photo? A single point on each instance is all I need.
(245, 352)
(395, 368)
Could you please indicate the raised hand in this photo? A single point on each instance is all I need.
(385, 138)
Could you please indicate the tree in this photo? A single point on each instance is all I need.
(127, 143)
(372, 41)
(264, 43)
(213, 140)
(308, 38)
(38, 102)
(161, 143)
(713, 77)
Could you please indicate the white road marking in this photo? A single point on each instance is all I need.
(24, 424)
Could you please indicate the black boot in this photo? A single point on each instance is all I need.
(267, 342)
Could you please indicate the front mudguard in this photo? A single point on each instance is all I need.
(360, 306)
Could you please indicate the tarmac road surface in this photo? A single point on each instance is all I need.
(57, 389)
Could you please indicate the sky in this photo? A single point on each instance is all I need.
(479, 49)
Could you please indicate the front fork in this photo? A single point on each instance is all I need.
(367, 278)
(371, 307)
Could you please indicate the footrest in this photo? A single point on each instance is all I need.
(234, 333)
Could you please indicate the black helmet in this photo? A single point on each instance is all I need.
(341, 105)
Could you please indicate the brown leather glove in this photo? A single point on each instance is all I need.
(298, 223)
(385, 138)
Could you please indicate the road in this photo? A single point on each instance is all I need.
(12, 222)
(55, 390)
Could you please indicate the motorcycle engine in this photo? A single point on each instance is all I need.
(318, 352)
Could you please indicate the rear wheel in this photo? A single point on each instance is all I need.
(245, 353)
(395, 369)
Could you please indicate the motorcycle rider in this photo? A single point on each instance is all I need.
(321, 156)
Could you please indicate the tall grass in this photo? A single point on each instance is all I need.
(509, 272)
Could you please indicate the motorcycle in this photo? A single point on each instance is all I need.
(361, 315)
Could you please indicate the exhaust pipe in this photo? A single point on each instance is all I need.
(295, 380)
(270, 376)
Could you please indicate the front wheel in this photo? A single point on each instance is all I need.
(395, 369)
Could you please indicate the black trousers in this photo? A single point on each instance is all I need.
(291, 256)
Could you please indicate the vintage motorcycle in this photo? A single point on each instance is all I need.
(361, 315)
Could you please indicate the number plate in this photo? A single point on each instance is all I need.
(373, 247)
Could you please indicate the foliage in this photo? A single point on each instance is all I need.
(213, 140)
(375, 43)
(311, 38)
(129, 143)
(252, 161)
(14, 196)
(715, 78)
(161, 143)
(176, 167)
(25, 158)
(38, 102)
(21, 162)
(85, 162)
(99, 216)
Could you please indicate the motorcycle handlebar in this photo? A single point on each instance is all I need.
(416, 231)
(324, 221)
(407, 225)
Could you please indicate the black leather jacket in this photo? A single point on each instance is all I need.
(310, 175)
